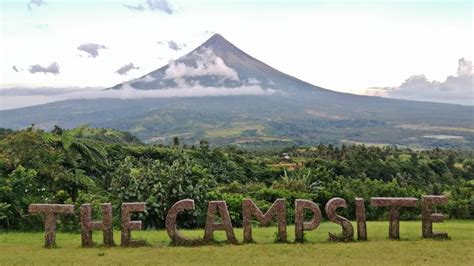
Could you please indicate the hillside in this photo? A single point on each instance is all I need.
(222, 94)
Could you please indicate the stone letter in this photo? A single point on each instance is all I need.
(347, 229)
(278, 209)
(395, 204)
(300, 224)
(428, 217)
(360, 217)
(51, 212)
(212, 226)
(173, 232)
(87, 225)
(128, 225)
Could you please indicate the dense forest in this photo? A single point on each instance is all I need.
(86, 165)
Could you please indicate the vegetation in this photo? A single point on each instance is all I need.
(103, 165)
(377, 251)
(300, 118)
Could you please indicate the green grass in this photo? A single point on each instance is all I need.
(26, 248)
(235, 130)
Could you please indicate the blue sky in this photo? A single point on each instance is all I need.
(346, 46)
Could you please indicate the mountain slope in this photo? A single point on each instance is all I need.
(267, 107)
(218, 63)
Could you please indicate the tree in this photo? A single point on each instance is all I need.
(77, 147)
(176, 141)
(57, 130)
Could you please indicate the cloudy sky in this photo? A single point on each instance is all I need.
(403, 49)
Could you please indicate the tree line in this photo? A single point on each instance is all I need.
(86, 165)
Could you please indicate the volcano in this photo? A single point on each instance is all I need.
(219, 93)
(220, 64)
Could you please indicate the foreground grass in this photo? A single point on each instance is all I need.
(26, 248)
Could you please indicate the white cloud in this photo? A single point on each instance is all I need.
(465, 68)
(153, 5)
(207, 64)
(22, 97)
(41, 91)
(91, 48)
(455, 89)
(424, 43)
(37, 3)
(173, 45)
(138, 7)
(53, 69)
(128, 92)
(253, 81)
(126, 68)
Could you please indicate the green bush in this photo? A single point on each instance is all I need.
(96, 166)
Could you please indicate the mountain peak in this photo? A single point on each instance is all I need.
(217, 36)
(218, 42)
(217, 63)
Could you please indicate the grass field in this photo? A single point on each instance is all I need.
(26, 248)
(235, 130)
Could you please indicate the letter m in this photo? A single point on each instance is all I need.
(277, 209)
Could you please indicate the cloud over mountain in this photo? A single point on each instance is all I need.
(186, 90)
(207, 64)
(53, 69)
(455, 89)
(20, 97)
(126, 68)
(147, 79)
(92, 49)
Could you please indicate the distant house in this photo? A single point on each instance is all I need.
(285, 157)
